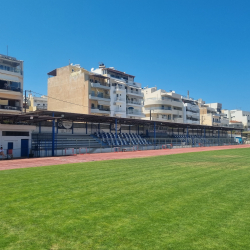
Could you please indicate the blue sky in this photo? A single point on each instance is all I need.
(196, 45)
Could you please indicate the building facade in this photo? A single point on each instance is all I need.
(160, 105)
(239, 116)
(191, 110)
(11, 84)
(34, 103)
(126, 97)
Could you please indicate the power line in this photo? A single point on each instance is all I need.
(61, 100)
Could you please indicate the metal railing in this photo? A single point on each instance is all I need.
(11, 88)
(10, 107)
(134, 102)
(11, 69)
(134, 92)
(100, 95)
(133, 112)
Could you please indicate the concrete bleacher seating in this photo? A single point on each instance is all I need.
(122, 139)
(63, 141)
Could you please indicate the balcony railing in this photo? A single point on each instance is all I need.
(158, 108)
(7, 107)
(11, 88)
(100, 95)
(119, 88)
(134, 102)
(119, 100)
(134, 92)
(134, 112)
(99, 85)
(11, 69)
(101, 109)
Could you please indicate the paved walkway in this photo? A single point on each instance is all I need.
(47, 161)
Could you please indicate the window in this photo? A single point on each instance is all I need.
(92, 105)
(15, 133)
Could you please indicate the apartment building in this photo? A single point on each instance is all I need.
(76, 90)
(126, 97)
(34, 103)
(210, 114)
(239, 116)
(11, 84)
(160, 105)
(191, 110)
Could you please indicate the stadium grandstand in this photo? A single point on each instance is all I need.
(61, 133)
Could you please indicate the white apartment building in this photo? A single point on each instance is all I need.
(126, 97)
(11, 84)
(239, 116)
(191, 110)
(34, 103)
(160, 105)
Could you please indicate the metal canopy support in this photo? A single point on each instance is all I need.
(155, 132)
(72, 127)
(39, 127)
(86, 128)
(204, 133)
(138, 129)
(53, 137)
(110, 128)
(218, 136)
(129, 128)
(99, 127)
(116, 129)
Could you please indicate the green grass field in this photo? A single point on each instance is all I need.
(186, 201)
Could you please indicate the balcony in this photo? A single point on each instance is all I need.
(119, 112)
(192, 122)
(119, 101)
(134, 112)
(10, 108)
(11, 88)
(100, 110)
(11, 69)
(135, 103)
(134, 93)
(191, 114)
(118, 89)
(100, 85)
(99, 97)
(162, 101)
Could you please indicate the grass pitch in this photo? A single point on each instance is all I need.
(186, 201)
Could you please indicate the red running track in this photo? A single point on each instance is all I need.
(47, 161)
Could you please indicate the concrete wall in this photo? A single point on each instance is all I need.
(15, 139)
(71, 85)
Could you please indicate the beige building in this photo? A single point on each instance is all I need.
(210, 114)
(160, 105)
(76, 90)
(11, 84)
(34, 103)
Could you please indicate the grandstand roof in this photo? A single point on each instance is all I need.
(38, 116)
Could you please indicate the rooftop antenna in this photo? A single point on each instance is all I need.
(69, 61)
(7, 50)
